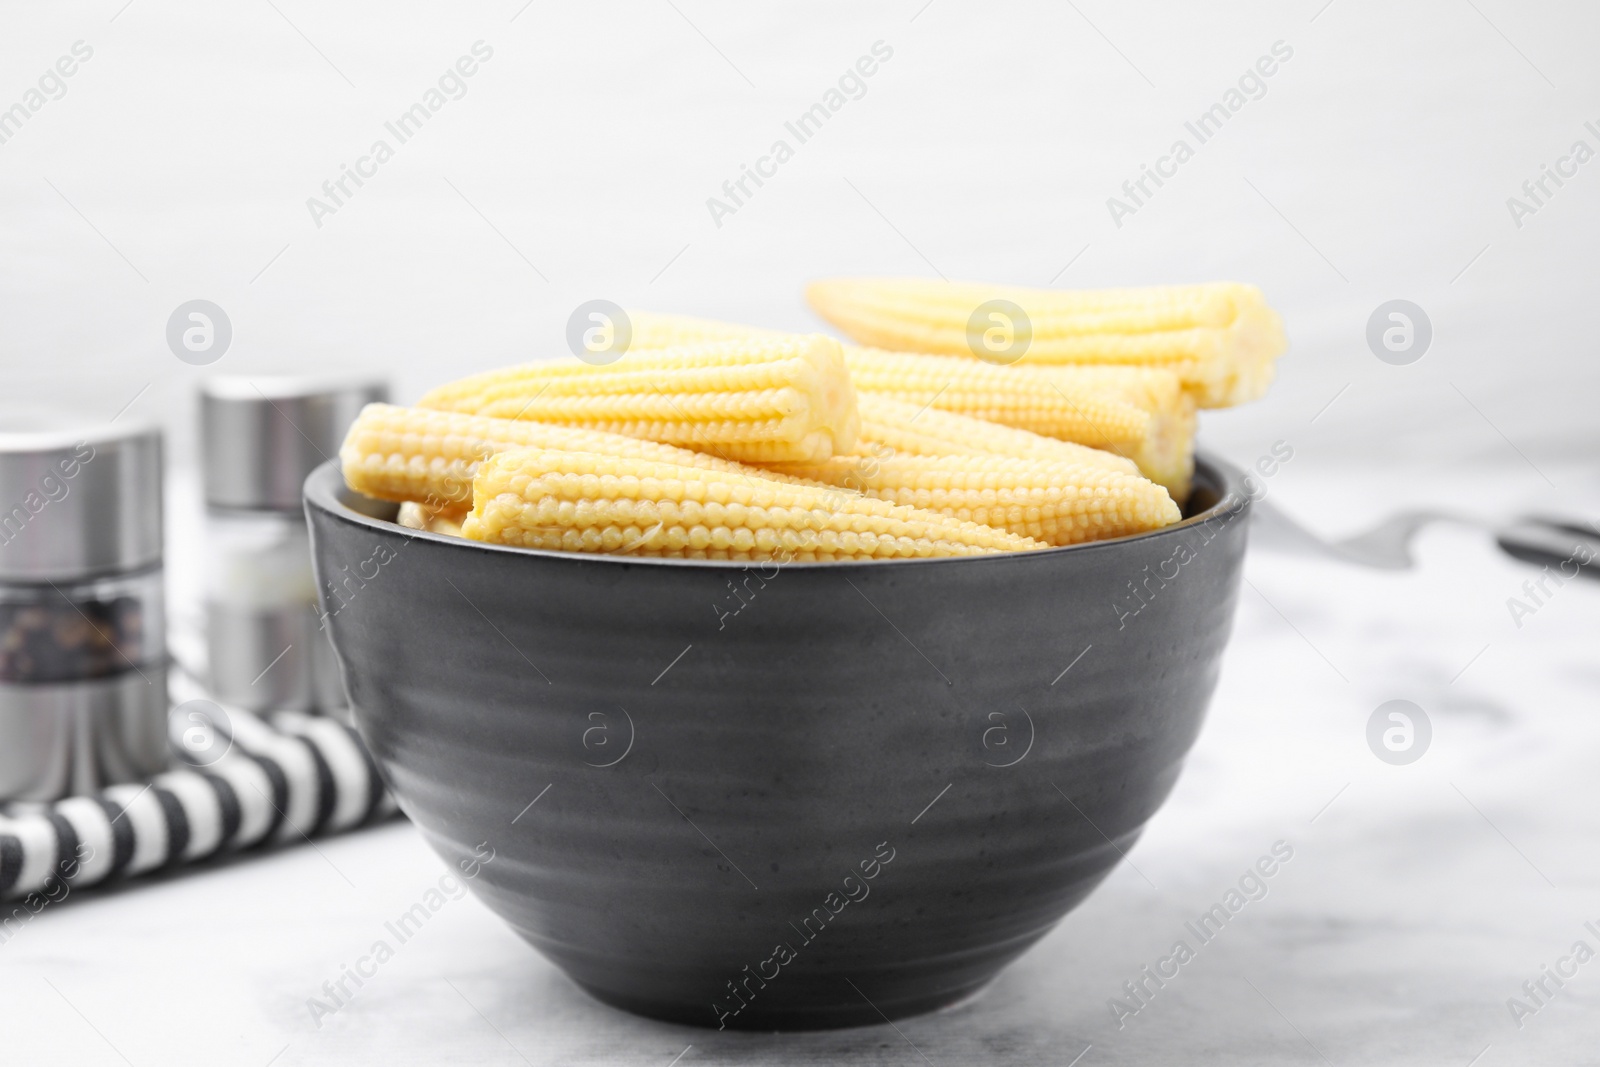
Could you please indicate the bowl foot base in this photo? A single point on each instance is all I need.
(779, 1017)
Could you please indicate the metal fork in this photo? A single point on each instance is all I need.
(1545, 542)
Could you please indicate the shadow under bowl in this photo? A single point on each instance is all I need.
(765, 797)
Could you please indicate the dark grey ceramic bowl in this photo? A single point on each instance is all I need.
(815, 796)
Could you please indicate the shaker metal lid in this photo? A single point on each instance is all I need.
(77, 500)
(260, 437)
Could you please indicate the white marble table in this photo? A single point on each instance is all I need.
(1418, 900)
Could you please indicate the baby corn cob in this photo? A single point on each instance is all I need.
(585, 502)
(1058, 503)
(1166, 454)
(1220, 338)
(907, 430)
(421, 517)
(1120, 410)
(1164, 451)
(396, 453)
(654, 329)
(1024, 399)
(757, 400)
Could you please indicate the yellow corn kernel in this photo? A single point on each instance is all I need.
(1220, 338)
(1058, 503)
(756, 400)
(585, 502)
(397, 453)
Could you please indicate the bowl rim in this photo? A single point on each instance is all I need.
(325, 486)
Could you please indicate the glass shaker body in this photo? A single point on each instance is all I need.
(83, 658)
(266, 645)
(83, 684)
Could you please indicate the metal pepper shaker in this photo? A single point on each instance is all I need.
(83, 661)
(261, 437)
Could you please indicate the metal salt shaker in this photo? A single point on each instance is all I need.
(260, 438)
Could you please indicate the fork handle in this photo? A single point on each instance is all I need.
(1568, 547)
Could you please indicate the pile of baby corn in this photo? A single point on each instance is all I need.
(709, 440)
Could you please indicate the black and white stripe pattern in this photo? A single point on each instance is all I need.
(286, 777)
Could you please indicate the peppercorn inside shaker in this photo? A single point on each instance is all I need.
(261, 437)
(83, 684)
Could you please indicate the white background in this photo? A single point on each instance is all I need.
(1381, 159)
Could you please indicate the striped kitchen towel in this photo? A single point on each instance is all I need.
(251, 782)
